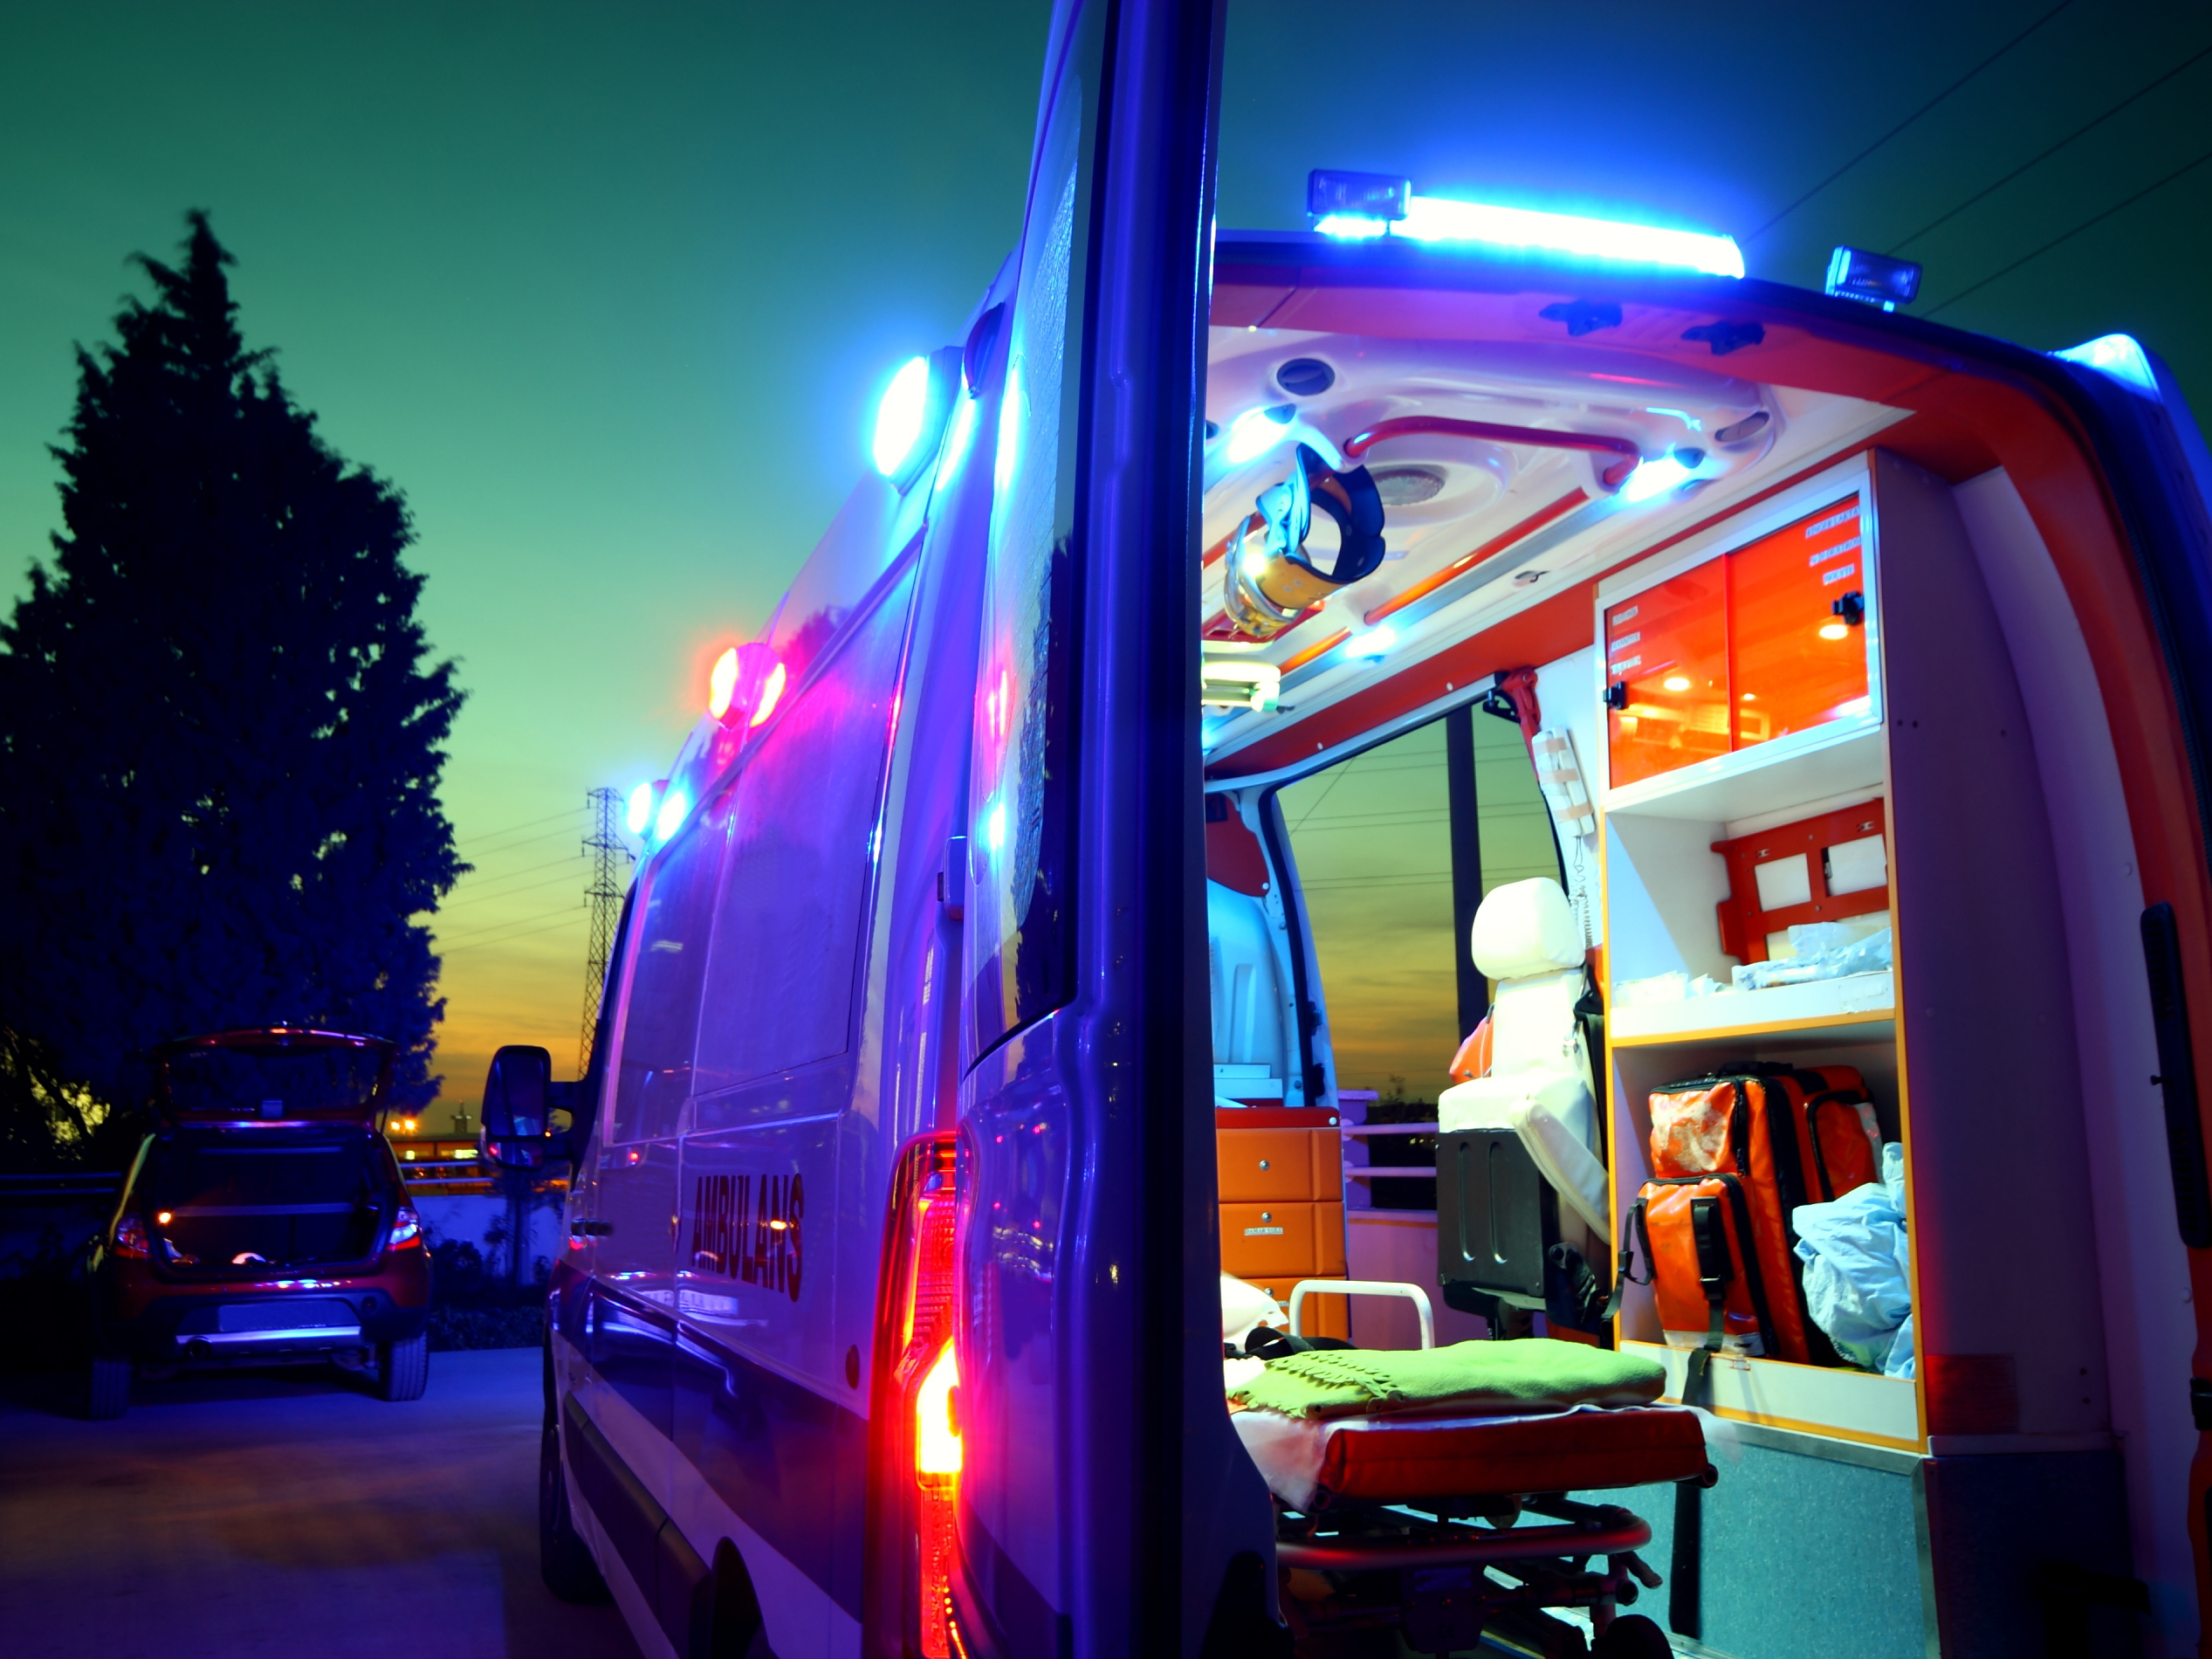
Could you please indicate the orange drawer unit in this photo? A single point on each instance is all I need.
(1260, 1166)
(1282, 1195)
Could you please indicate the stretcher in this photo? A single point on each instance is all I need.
(1415, 1518)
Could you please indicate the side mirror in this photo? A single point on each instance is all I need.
(518, 1109)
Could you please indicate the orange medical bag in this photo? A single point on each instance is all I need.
(1734, 1154)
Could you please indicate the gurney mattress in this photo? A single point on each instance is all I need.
(1309, 1463)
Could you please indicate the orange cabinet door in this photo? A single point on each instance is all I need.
(1794, 662)
(1260, 1166)
(1264, 1242)
(1666, 675)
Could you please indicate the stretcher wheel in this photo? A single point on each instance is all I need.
(1632, 1637)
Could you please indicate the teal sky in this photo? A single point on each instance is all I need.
(609, 292)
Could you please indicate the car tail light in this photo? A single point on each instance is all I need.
(407, 1229)
(130, 1238)
(916, 1457)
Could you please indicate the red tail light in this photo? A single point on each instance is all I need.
(914, 1478)
(407, 1229)
(130, 1238)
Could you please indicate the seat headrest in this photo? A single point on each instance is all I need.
(1526, 927)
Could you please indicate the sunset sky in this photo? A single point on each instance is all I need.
(609, 293)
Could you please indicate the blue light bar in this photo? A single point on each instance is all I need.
(1355, 196)
(1430, 218)
(1872, 279)
(2118, 356)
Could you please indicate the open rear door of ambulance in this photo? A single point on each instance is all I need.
(1103, 1506)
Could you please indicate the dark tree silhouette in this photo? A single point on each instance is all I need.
(220, 737)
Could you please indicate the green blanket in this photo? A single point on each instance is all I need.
(1531, 1374)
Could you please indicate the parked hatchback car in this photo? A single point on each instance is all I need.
(264, 1220)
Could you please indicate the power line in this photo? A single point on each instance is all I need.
(475, 934)
(1909, 120)
(529, 887)
(481, 944)
(531, 824)
(607, 851)
(475, 889)
(2187, 167)
(2038, 159)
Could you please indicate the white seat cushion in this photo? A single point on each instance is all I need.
(1526, 927)
(1555, 1117)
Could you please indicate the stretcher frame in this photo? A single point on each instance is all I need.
(1441, 1553)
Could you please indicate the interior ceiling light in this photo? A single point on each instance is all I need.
(1665, 472)
(1256, 431)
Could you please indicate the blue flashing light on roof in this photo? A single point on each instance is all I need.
(2119, 355)
(671, 817)
(1375, 643)
(1352, 227)
(1429, 219)
(899, 417)
(1872, 279)
(640, 815)
(1371, 198)
(1343, 212)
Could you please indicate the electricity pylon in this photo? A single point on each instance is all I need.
(610, 857)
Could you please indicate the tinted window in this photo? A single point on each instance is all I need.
(802, 858)
(1372, 840)
(272, 1082)
(669, 951)
(1020, 910)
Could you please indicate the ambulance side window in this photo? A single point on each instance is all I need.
(1021, 911)
(803, 851)
(662, 1014)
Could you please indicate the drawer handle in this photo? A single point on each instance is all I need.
(1263, 1163)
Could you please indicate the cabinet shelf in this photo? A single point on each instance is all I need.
(1361, 1130)
(1857, 1006)
(1837, 1402)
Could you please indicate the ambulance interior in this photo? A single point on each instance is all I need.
(1665, 634)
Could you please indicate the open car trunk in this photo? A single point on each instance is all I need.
(217, 1204)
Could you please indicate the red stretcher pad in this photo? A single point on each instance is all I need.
(1386, 1460)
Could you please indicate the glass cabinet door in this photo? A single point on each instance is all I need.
(1797, 602)
(1666, 675)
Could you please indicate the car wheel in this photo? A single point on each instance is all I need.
(403, 1368)
(107, 1390)
(1632, 1637)
(564, 1559)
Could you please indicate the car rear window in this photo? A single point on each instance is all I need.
(273, 1083)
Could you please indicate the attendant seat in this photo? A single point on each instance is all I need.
(1521, 1193)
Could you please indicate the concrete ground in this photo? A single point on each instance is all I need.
(285, 1512)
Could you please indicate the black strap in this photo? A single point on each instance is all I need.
(1624, 1268)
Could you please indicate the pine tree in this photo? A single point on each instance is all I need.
(220, 734)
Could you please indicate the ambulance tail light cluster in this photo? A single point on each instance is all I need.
(915, 1449)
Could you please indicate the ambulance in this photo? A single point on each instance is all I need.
(1803, 704)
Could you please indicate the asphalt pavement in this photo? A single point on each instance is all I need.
(285, 1512)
